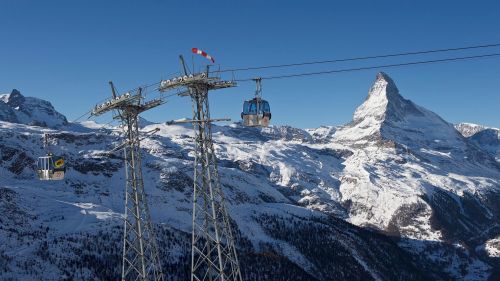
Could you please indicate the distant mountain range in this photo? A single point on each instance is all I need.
(397, 194)
(486, 138)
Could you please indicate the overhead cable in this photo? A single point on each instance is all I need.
(361, 58)
(372, 67)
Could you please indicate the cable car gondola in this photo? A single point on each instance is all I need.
(256, 112)
(50, 167)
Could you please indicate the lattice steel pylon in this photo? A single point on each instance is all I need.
(213, 254)
(140, 258)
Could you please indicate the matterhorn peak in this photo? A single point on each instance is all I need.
(384, 103)
(384, 85)
(386, 114)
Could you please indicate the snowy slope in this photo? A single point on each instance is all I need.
(63, 224)
(295, 195)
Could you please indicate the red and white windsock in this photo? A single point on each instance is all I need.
(200, 52)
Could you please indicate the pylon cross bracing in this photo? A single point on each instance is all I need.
(213, 253)
(140, 258)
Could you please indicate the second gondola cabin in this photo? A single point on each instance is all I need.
(50, 167)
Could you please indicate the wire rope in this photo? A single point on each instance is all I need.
(363, 58)
(372, 67)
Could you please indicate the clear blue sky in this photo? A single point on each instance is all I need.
(66, 51)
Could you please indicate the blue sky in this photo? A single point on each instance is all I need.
(67, 51)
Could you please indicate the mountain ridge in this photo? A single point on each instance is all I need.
(16, 108)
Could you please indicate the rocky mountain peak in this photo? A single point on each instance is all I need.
(16, 108)
(469, 129)
(384, 103)
(14, 99)
(385, 114)
(384, 85)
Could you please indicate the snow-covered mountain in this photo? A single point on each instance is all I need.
(469, 129)
(397, 194)
(394, 135)
(413, 174)
(486, 138)
(16, 108)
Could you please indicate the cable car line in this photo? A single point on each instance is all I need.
(82, 116)
(371, 67)
(361, 58)
(320, 62)
(343, 70)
